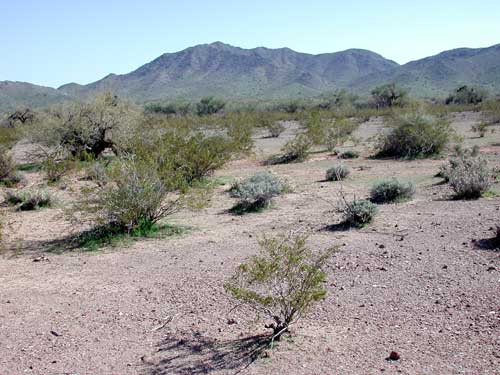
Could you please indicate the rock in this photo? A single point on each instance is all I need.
(394, 356)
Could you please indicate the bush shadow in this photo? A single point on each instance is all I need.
(202, 355)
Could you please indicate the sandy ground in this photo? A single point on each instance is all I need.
(421, 280)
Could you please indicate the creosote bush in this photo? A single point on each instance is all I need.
(392, 190)
(337, 172)
(28, 200)
(294, 151)
(282, 282)
(469, 176)
(358, 212)
(258, 190)
(415, 135)
(209, 106)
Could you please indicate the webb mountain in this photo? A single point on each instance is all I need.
(234, 73)
(231, 72)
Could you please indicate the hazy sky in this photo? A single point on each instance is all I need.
(52, 42)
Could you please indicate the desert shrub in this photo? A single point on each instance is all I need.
(275, 129)
(192, 156)
(209, 106)
(294, 151)
(491, 111)
(389, 95)
(8, 172)
(85, 128)
(337, 172)
(292, 106)
(258, 190)
(177, 108)
(359, 212)
(466, 95)
(391, 190)
(132, 196)
(415, 135)
(469, 176)
(480, 129)
(339, 132)
(349, 154)
(315, 128)
(239, 129)
(28, 200)
(282, 282)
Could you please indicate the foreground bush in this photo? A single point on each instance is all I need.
(469, 176)
(392, 190)
(415, 135)
(28, 200)
(258, 191)
(358, 212)
(282, 282)
(337, 172)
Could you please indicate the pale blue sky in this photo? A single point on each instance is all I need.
(52, 42)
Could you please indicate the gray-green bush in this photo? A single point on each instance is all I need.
(337, 172)
(469, 176)
(392, 190)
(258, 190)
(358, 212)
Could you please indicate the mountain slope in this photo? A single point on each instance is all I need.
(440, 74)
(231, 72)
(19, 94)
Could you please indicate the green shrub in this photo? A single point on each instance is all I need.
(257, 191)
(389, 95)
(283, 282)
(349, 154)
(28, 200)
(358, 212)
(415, 135)
(337, 172)
(180, 108)
(209, 106)
(468, 176)
(392, 190)
(467, 95)
(132, 196)
(339, 132)
(294, 151)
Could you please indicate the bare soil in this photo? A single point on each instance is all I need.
(422, 281)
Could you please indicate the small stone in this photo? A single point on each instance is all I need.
(394, 356)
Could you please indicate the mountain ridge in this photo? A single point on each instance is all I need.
(230, 72)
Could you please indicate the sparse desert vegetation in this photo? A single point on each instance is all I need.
(149, 257)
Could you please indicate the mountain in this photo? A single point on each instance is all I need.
(438, 75)
(231, 72)
(23, 94)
